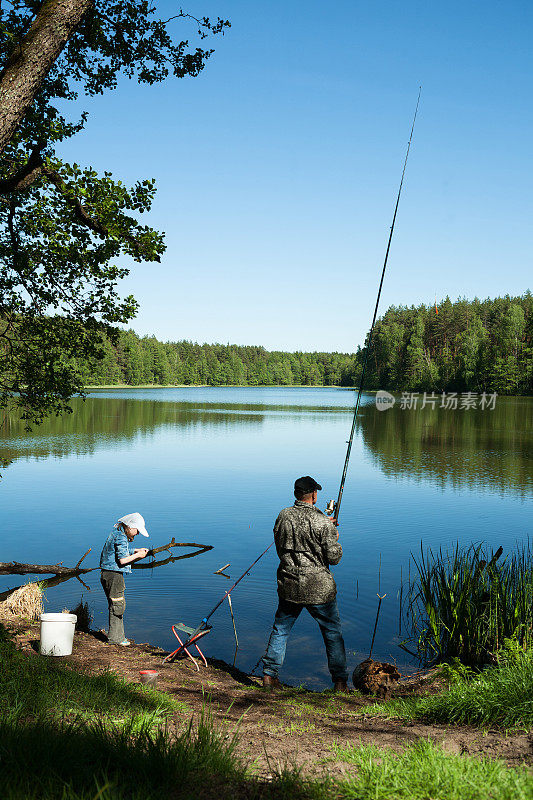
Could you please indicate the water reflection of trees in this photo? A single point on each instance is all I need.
(474, 448)
(98, 421)
(459, 448)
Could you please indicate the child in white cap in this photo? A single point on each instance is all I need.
(115, 561)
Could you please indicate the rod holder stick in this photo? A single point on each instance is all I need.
(381, 597)
(233, 621)
(234, 630)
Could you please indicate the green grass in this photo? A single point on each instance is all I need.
(499, 696)
(291, 727)
(313, 703)
(67, 735)
(32, 685)
(424, 770)
(76, 760)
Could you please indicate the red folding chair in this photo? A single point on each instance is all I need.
(184, 647)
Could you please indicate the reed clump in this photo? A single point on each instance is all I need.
(25, 602)
(466, 603)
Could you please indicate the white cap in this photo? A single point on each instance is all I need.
(134, 520)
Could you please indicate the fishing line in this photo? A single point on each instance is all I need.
(337, 505)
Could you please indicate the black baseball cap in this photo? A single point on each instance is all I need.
(306, 485)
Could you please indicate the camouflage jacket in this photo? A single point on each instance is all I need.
(306, 541)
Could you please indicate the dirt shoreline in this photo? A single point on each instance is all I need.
(295, 726)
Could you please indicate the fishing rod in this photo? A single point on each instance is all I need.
(203, 628)
(334, 508)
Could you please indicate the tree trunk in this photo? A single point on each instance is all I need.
(32, 59)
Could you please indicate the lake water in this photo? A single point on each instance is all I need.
(215, 465)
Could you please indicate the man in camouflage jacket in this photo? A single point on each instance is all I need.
(307, 544)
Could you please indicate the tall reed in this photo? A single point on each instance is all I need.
(465, 603)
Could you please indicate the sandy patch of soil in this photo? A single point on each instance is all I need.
(290, 727)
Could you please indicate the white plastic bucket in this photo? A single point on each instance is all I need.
(57, 634)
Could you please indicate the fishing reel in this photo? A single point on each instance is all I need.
(330, 508)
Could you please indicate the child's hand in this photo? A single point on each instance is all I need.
(141, 552)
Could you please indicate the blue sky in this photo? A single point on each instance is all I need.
(277, 168)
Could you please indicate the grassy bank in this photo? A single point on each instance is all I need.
(499, 696)
(68, 735)
(424, 770)
(34, 688)
(74, 762)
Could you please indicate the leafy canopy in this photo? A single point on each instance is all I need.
(64, 227)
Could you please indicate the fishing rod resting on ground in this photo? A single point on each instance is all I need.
(334, 508)
(203, 628)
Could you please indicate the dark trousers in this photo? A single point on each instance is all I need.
(114, 588)
(327, 616)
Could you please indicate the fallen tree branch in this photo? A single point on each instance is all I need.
(174, 543)
(15, 568)
(45, 584)
(83, 556)
(60, 574)
(171, 559)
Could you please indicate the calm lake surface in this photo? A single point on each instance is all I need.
(215, 465)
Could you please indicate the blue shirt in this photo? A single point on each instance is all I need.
(115, 547)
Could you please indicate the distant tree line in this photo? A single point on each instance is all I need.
(478, 345)
(133, 360)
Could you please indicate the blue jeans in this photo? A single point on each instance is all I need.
(327, 616)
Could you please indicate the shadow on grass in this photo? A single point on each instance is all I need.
(74, 761)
